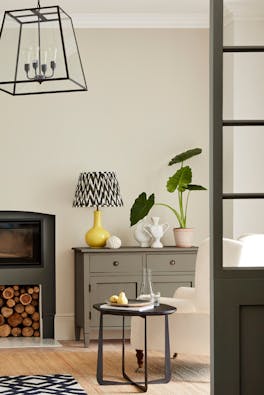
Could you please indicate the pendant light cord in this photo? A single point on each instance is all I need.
(39, 41)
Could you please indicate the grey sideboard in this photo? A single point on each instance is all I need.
(99, 273)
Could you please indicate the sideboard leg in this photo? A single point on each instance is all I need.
(77, 333)
(140, 357)
(86, 339)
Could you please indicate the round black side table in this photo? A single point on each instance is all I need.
(161, 310)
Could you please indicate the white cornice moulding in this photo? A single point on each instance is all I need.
(230, 18)
(245, 12)
(248, 18)
(140, 21)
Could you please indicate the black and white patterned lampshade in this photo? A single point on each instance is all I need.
(98, 189)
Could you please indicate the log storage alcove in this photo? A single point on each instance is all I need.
(19, 310)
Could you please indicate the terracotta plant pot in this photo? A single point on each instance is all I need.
(183, 237)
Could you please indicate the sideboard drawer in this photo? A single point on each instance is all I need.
(119, 263)
(180, 262)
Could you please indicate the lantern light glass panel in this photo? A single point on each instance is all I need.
(39, 53)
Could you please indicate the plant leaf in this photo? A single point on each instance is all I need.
(141, 207)
(193, 187)
(180, 180)
(185, 155)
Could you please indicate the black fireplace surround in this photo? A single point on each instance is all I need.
(27, 256)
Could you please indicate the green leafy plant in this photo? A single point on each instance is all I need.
(141, 207)
(179, 182)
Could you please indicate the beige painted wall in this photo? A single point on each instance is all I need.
(147, 101)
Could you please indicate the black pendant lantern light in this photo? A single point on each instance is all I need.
(39, 52)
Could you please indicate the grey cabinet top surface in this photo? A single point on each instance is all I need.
(135, 249)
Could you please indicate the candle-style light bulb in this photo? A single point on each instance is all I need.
(29, 55)
(45, 57)
(55, 54)
(37, 53)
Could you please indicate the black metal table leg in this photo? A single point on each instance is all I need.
(146, 355)
(100, 361)
(167, 361)
(123, 347)
(100, 352)
(167, 375)
(142, 386)
(167, 351)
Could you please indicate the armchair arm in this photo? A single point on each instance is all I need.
(184, 293)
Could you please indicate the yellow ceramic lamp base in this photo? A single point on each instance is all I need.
(97, 236)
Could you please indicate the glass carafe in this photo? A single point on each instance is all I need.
(146, 291)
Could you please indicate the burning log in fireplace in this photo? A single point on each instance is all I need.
(19, 311)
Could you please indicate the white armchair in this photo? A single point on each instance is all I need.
(190, 325)
(253, 251)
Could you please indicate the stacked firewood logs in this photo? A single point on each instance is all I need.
(19, 311)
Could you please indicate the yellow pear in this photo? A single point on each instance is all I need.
(122, 299)
(113, 299)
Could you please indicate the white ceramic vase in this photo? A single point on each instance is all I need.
(183, 237)
(140, 234)
(156, 231)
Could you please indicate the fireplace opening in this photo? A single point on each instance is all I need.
(20, 243)
(20, 311)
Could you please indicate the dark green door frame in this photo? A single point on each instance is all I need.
(216, 158)
(237, 296)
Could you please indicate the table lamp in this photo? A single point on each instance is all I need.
(97, 189)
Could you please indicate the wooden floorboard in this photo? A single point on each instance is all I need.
(190, 374)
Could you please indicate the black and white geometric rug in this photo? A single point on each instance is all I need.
(57, 384)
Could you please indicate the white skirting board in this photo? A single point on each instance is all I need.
(64, 329)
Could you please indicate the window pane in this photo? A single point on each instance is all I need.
(244, 221)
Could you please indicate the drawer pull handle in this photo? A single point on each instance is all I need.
(115, 263)
(172, 262)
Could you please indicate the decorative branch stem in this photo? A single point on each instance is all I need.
(186, 208)
(175, 212)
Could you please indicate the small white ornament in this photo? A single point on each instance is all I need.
(140, 234)
(113, 242)
(156, 231)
